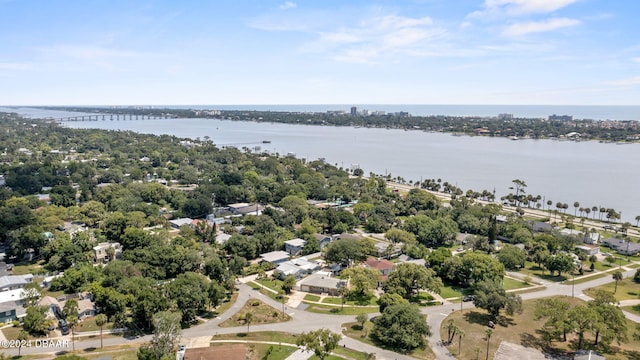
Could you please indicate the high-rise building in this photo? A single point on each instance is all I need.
(354, 110)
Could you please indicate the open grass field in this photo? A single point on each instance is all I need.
(511, 284)
(627, 289)
(336, 310)
(532, 269)
(587, 278)
(523, 329)
(278, 352)
(262, 314)
(355, 331)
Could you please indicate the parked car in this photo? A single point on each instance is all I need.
(62, 323)
(64, 330)
(468, 298)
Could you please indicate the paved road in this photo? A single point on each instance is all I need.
(305, 321)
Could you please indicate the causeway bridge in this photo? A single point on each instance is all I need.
(111, 117)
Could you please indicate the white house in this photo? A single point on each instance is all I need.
(294, 246)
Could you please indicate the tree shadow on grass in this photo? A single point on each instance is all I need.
(476, 317)
(632, 355)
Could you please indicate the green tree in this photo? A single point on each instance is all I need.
(512, 257)
(488, 333)
(322, 342)
(560, 262)
(248, 319)
(35, 322)
(490, 295)
(166, 334)
(288, 283)
(400, 236)
(408, 278)
(101, 320)
(617, 276)
(70, 308)
(583, 318)
(610, 323)
(361, 279)
(31, 294)
(401, 327)
(362, 318)
(556, 311)
(22, 337)
(190, 292)
(388, 299)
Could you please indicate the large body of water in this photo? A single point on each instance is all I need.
(592, 173)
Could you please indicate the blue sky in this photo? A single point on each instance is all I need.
(581, 52)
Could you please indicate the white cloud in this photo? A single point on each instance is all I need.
(521, 7)
(631, 81)
(288, 5)
(89, 52)
(376, 36)
(13, 66)
(529, 27)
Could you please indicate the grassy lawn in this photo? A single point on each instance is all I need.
(604, 266)
(320, 309)
(532, 269)
(353, 300)
(259, 336)
(27, 268)
(523, 329)
(310, 297)
(448, 291)
(627, 289)
(510, 284)
(275, 296)
(354, 331)
(262, 314)
(634, 309)
(280, 352)
(123, 354)
(633, 266)
(588, 278)
(89, 324)
(275, 285)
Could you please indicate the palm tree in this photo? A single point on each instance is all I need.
(248, 318)
(594, 209)
(575, 207)
(637, 220)
(460, 335)
(72, 321)
(488, 333)
(617, 276)
(101, 320)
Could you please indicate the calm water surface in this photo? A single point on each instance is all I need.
(592, 173)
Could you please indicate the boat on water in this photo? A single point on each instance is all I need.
(266, 141)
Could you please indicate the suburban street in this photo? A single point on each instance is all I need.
(302, 321)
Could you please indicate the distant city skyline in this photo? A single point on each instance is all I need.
(551, 52)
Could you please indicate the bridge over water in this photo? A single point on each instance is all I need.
(111, 117)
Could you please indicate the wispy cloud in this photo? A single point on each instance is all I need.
(89, 52)
(529, 27)
(376, 36)
(13, 66)
(520, 7)
(631, 81)
(288, 5)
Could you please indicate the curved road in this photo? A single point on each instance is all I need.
(305, 321)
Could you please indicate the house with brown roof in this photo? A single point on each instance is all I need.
(383, 265)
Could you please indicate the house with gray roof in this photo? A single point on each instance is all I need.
(275, 257)
(320, 283)
(621, 246)
(12, 282)
(294, 246)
